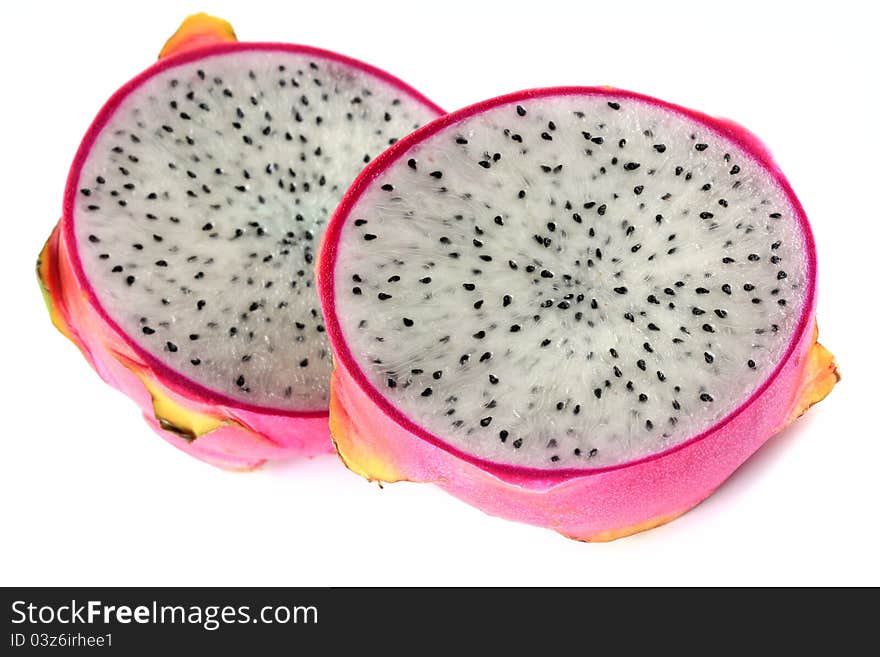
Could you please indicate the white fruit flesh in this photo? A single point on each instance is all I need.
(570, 281)
(200, 205)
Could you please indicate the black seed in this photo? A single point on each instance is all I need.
(706, 397)
(407, 322)
(520, 110)
(631, 166)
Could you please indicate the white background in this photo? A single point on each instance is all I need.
(89, 495)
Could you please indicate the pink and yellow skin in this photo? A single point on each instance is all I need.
(227, 436)
(376, 441)
(220, 431)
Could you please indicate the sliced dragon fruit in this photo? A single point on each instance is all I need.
(580, 308)
(182, 265)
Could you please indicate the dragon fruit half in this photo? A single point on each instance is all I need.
(182, 266)
(580, 308)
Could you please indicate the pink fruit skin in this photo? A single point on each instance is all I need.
(245, 436)
(243, 439)
(377, 441)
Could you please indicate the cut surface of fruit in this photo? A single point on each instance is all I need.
(572, 281)
(565, 283)
(183, 267)
(198, 202)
